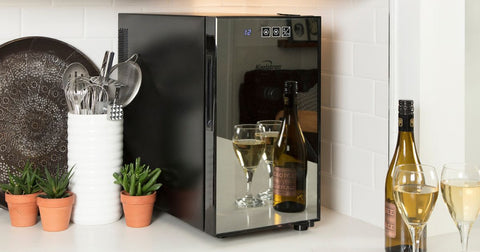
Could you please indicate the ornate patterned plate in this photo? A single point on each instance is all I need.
(33, 109)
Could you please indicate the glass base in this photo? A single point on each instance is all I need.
(266, 196)
(249, 201)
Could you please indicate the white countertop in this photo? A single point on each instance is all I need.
(334, 233)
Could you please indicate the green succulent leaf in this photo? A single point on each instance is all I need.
(138, 179)
(22, 181)
(55, 185)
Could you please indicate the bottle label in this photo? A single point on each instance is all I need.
(284, 181)
(390, 220)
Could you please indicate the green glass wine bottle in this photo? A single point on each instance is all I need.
(290, 158)
(397, 236)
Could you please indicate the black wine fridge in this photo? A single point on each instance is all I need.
(203, 74)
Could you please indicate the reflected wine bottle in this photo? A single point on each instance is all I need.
(397, 236)
(290, 158)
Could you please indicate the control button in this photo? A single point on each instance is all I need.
(265, 31)
(276, 31)
(286, 31)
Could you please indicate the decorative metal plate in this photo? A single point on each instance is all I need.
(33, 109)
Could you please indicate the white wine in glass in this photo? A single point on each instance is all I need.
(249, 147)
(416, 202)
(271, 130)
(415, 190)
(460, 185)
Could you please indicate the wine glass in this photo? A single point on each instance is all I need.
(270, 134)
(460, 185)
(415, 190)
(249, 146)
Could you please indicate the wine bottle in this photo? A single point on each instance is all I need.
(397, 236)
(290, 158)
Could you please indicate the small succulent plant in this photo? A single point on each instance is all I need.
(25, 183)
(138, 179)
(55, 186)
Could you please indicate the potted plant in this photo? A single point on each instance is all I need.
(55, 203)
(139, 184)
(21, 196)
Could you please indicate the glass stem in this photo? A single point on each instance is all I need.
(416, 233)
(249, 175)
(270, 174)
(464, 228)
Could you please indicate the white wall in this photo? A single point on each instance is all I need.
(354, 75)
(472, 78)
(437, 64)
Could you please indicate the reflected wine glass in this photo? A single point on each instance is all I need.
(270, 135)
(415, 190)
(460, 185)
(249, 146)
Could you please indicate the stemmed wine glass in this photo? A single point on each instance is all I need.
(249, 146)
(271, 131)
(415, 190)
(460, 185)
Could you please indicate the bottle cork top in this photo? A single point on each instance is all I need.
(405, 107)
(291, 87)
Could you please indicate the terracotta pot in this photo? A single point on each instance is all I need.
(55, 213)
(23, 209)
(137, 209)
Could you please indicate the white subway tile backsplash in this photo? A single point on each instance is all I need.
(337, 57)
(381, 163)
(229, 9)
(100, 23)
(368, 204)
(10, 20)
(335, 3)
(352, 164)
(38, 3)
(326, 157)
(354, 24)
(136, 2)
(371, 61)
(268, 3)
(381, 99)
(53, 22)
(127, 9)
(93, 48)
(353, 94)
(326, 93)
(336, 125)
(336, 194)
(327, 23)
(370, 132)
(83, 3)
(370, 3)
(381, 26)
(234, 2)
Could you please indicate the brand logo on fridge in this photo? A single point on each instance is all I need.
(276, 31)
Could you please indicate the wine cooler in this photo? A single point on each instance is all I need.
(202, 75)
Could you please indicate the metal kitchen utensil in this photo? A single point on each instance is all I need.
(96, 100)
(127, 78)
(75, 92)
(107, 64)
(115, 110)
(102, 79)
(73, 71)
